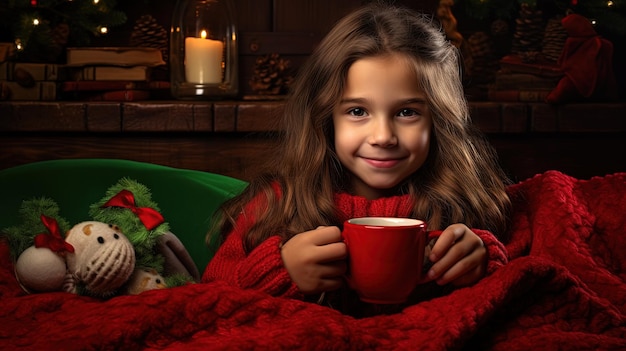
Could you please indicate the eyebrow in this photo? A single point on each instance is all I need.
(400, 102)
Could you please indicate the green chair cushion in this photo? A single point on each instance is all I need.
(187, 198)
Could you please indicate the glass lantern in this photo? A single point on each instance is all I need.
(203, 50)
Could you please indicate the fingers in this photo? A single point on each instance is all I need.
(468, 278)
(333, 269)
(330, 276)
(315, 260)
(325, 235)
(330, 247)
(328, 244)
(459, 257)
(463, 272)
(332, 252)
(446, 240)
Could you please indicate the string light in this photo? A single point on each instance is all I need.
(36, 25)
(610, 3)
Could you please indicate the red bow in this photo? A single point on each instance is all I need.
(53, 239)
(148, 216)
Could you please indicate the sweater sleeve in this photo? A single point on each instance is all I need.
(497, 255)
(262, 269)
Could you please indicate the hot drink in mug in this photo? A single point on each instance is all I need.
(385, 257)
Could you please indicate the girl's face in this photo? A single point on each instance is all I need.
(382, 125)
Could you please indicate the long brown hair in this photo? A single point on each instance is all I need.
(460, 181)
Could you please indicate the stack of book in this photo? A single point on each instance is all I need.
(29, 81)
(113, 74)
(521, 81)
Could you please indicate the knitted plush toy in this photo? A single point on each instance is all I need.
(122, 250)
(41, 267)
(102, 260)
(37, 246)
(143, 280)
(129, 205)
(95, 258)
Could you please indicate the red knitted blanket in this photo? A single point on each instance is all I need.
(564, 289)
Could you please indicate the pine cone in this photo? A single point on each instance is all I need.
(484, 61)
(499, 27)
(147, 32)
(529, 30)
(554, 39)
(531, 56)
(272, 75)
(501, 36)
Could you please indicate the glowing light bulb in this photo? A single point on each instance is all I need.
(36, 21)
(104, 30)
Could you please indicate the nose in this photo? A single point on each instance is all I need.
(383, 133)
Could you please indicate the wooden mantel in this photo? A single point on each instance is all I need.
(234, 137)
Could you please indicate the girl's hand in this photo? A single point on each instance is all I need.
(459, 257)
(316, 260)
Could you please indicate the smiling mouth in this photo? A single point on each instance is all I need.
(382, 163)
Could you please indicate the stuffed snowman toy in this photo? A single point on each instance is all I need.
(102, 261)
(95, 257)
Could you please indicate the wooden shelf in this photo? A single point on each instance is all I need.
(261, 116)
(235, 137)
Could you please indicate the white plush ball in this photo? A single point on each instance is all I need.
(40, 270)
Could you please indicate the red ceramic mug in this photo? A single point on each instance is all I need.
(385, 257)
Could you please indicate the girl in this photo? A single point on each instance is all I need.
(376, 125)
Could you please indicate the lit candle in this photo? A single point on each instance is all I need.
(203, 59)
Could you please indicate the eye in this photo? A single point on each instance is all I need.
(357, 112)
(101, 240)
(407, 112)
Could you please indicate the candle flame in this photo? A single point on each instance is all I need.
(203, 34)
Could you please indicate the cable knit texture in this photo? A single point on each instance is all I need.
(263, 270)
(563, 289)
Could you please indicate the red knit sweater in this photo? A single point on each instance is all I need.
(262, 269)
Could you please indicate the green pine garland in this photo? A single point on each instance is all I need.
(491, 9)
(41, 29)
(610, 20)
(143, 240)
(21, 237)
